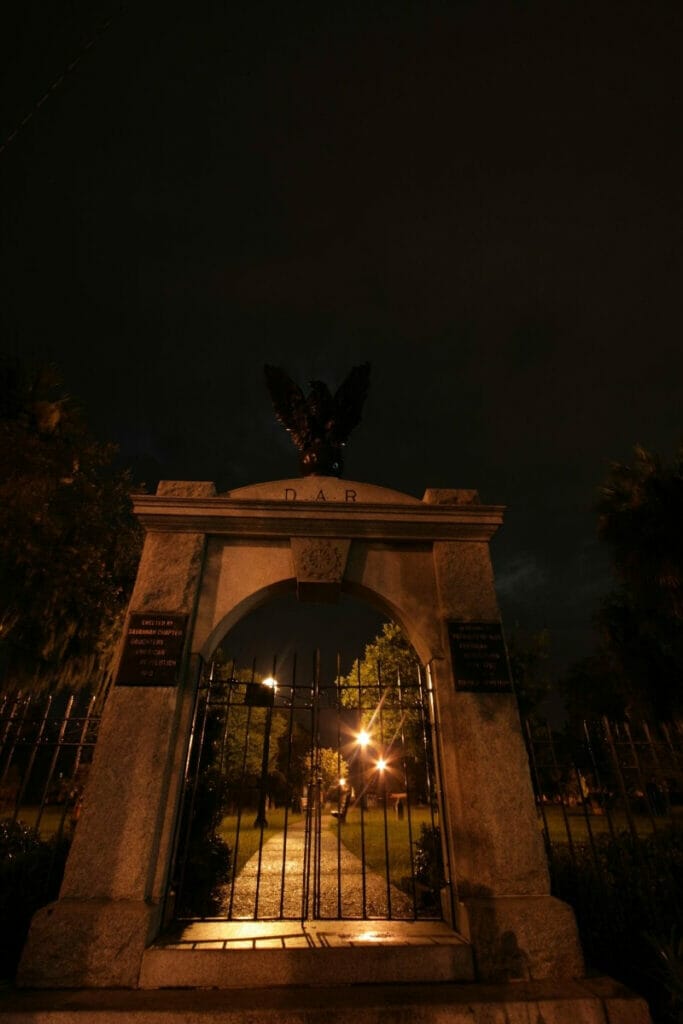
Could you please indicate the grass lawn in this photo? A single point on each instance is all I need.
(50, 821)
(599, 823)
(397, 839)
(250, 837)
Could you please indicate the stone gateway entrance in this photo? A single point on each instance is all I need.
(207, 561)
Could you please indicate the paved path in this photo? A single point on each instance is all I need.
(276, 900)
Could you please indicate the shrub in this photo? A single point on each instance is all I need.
(428, 862)
(30, 876)
(207, 865)
(627, 892)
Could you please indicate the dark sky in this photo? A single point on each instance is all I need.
(482, 199)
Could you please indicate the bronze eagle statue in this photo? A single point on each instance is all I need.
(320, 423)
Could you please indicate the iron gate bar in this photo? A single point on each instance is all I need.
(17, 734)
(639, 773)
(429, 724)
(288, 771)
(383, 781)
(223, 718)
(361, 755)
(261, 821)
(406, 783)
(665, 730)
(598, 777)
(620, 776)
(53, 761)
(81, 743)
(198, 750)
(586, 814)
(240, 802)
(32, 757)
(347, 798)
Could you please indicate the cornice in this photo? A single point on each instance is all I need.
(279, 519)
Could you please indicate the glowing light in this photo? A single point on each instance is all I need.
(363, 738)
(381, 764)
(270, 682)
(342, 782)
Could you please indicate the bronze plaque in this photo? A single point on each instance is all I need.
(153, 649)
(479, 656)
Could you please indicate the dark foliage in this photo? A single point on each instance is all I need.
(69, 544)
(207, 862)
(628, 896)
(30, 876)
(429, 872)
(530, 667)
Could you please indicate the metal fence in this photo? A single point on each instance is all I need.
(593, 787)
(607, 779)
(610, 805)
(46, 746)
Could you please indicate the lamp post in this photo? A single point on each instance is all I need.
(264, 698)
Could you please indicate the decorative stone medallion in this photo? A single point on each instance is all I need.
(319, 566)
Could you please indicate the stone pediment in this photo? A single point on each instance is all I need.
(319, 489)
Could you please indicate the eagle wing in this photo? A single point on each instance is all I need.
(349, 401)
(289, 404)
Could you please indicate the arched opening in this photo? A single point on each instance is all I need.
(311, 789)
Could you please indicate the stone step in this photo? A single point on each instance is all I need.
(242, 968)
(216, 954)
(599, 1001)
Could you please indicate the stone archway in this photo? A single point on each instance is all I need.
(207, 559)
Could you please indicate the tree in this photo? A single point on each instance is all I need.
(385, 659)
(330, 767)
(384, 687)
(638, 668)
(592, 687)
(641, 513)
(69, 544)
(529, 657)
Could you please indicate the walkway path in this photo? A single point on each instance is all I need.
(336, 862)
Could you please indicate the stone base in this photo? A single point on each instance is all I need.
(263, 968)
(523, 938)
(81, 944)
(600, 1001)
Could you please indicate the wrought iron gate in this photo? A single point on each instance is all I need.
(306, 800)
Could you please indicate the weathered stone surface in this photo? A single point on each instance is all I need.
(118, 833)
(524, 938)
(116, 873)
(465, 581)
(239, 577)
(519, 1003)
(243, 968)
(321, 489)
(319, 564)
(496, 834)
(84, 943)
(449, 496)
(187, 488)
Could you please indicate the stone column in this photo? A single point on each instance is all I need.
(111, 901)
(517, 928)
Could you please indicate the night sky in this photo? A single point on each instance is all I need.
(482, 199)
